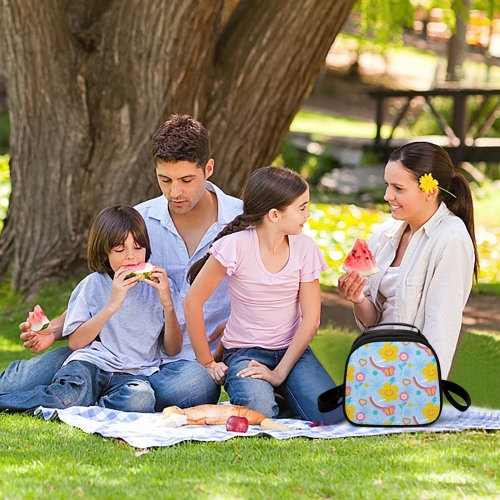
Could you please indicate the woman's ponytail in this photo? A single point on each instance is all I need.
(462, 206)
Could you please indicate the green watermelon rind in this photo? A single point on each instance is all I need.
(143, 275)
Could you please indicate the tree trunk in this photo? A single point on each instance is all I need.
(457, 45)
(89, 83)
(266, 63)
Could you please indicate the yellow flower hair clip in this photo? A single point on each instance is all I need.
(428, 184)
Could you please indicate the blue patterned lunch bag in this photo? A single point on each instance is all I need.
(392, 378)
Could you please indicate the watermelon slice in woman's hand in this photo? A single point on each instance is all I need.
(360, 259)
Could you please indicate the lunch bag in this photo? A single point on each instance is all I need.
(392, 378)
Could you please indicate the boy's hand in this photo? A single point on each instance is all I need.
(36, 341)
(120, 287)
(159, 280)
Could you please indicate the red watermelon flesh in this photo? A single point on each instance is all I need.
(143, 269)
(360, 259)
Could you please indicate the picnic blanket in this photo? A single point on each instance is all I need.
(142, 430)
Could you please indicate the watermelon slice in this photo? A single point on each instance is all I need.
(360, 259)
(143, 270)
(37, 319)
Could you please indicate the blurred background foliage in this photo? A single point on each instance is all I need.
(4, 187)
(336, 227)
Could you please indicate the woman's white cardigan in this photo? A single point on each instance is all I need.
(434, 279)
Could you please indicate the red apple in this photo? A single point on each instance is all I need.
(237, 424)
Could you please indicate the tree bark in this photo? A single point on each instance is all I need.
(90, 82)
(457, 45)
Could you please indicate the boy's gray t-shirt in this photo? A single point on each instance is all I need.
(129, 341)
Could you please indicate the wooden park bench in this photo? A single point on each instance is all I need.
(458, 138)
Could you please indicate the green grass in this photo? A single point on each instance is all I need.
(52, 460)
(312, 122)
(489, 288)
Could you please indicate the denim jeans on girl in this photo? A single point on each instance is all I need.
(300, 390)
(80, 383)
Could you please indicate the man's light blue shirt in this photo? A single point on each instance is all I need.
(169, 252)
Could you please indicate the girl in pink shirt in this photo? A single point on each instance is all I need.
(272, 272)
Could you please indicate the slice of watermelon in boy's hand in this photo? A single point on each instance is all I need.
(36, 334)
(37, 320)
(360, 259)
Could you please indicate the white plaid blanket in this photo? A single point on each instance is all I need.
(141, 430)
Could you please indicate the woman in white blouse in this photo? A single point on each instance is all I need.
(426, 252)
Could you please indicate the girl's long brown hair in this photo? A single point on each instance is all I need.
(267, 188)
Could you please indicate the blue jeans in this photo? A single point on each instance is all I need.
(184, 384)
(80, 383)
(29, 373)
(300, 390)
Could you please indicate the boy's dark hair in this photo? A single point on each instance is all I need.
(181, 138)
(110, 229)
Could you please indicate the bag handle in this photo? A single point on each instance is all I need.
(450, 387)
(330, 400)
(378, 325)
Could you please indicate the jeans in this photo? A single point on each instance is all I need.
(300, 390)
(29, 373)
(184, 384)
(80, 383)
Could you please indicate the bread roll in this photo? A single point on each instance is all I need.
(214, 414)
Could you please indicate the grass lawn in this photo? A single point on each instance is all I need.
(52, 460)
(312, 122)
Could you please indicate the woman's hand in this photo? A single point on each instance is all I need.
(351, 286)
(217, 371)
(260, 371)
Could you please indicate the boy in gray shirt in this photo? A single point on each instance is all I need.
(113, 324)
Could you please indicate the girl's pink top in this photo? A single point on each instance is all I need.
(265, 309)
